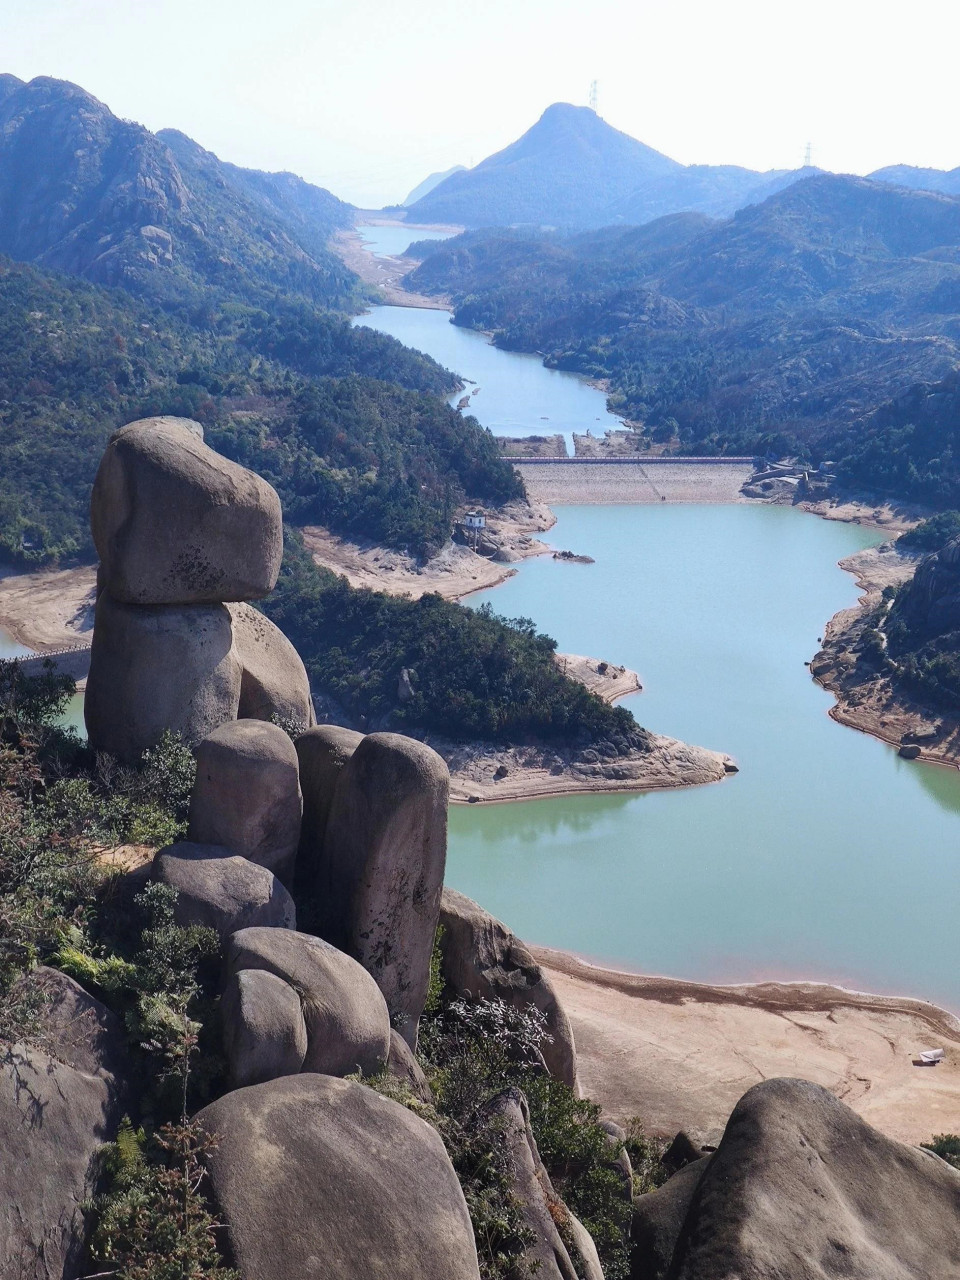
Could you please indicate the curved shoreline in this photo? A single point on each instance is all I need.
(681, 1053)
(870, 702)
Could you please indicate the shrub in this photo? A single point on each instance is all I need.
(932, 534)
(946, 1146)
(154, 1223)
(476, 1049)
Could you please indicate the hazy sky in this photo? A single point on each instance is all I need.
(367, 97)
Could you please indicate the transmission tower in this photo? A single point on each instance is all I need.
(594, 95)
(808, 156)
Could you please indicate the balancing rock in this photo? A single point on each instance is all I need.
(176, 523)
(382, 867)
(274, 681)
(322, 752)
(247, 795)
(264, 1033)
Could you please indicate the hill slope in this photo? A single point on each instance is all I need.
(356, 453)
(782, 328)
(84, 192)
(571, 169)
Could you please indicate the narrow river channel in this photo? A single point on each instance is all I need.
(826, 858)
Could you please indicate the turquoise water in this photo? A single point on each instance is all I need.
(9, 647)
(827, 857)
(514, 394)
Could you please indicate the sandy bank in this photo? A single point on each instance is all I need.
(592, 485)
(456, 571)
(680, 1054)
(50, 608)
(868, 700)
(384, 273)
(482, 772)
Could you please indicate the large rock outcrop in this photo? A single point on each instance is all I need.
(58, 1105)
(322, 752)
(273, 681)
(382, 866)
(484, 960)
(348, 1027)
(320, 1177)
(801, 1187)
(929, 604)
(246, 795)
(176, 523)
(160, 667)
(222, 891)
(264, 1032)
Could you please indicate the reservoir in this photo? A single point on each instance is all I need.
(511, 393)
(826, 858)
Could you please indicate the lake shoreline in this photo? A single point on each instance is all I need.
(486, 774)
(870, 701)
(670, 1050)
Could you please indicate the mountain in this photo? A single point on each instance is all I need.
(571, 170)
(85, 192)
(782, 328)
(431, 181)
(907, 175)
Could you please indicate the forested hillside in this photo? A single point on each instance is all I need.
(356, 451)
(472, 675)
(783, 329)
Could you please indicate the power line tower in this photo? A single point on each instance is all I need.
(594, 95)
(808, 156)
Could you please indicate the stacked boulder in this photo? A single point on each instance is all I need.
(186, 538)
(355, 825)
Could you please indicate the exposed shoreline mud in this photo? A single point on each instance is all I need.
(681, 1054)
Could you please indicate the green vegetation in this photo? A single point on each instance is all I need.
(932, 534)
(947, 1146)
(154, 1223)
(301, 396)
(472, 1052)
(792, 328)
(474, 675)
(60, 906)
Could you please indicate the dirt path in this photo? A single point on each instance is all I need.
(680, 1054)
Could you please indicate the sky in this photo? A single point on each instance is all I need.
(367, 97)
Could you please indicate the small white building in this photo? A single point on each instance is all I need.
(474, 520)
